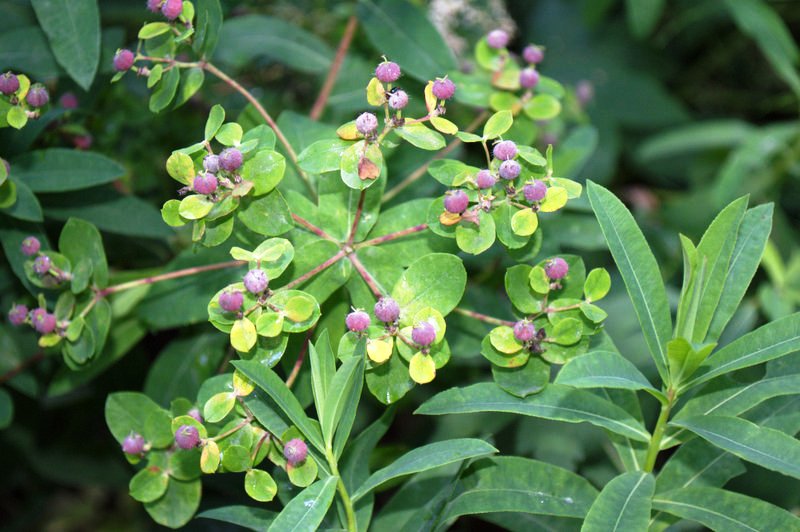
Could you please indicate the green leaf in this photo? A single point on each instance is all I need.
(421, 136)
(524, 380)
(624, 504)
(725, 510)
(236, 458)
(81, 240)
(339, 392)
(643, 15)
(524, 222)
(351, 166)
(229, 134)
(219, 406)
(698, 463)
(128, 412)
(766, 447)
(165, 90)
(556, 401)
(323, 156)
(268, 381)
(498, 124)
(60, 170)
(191, 81)
(215, 119)
(403, 32)
(639, 270)
(323, 369)
(153, 29)
(148, 484)
(178, 504)
(259, 485)
(389, 381)
(435, 280)
(73, 29)
(266, 215)
(750, 244)
(567, 331)
(542, 107)
(597, 284)
(424, 458)
(6, 409)
(207, 27)
(514, 484)
(475, 239)
(244, 516)
(604, 369)
(768, 342)
(307, 509)
(17, 117)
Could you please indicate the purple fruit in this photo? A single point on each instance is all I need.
(509, 170)
(211, 163)
(30, 246)
(9, 83)
(387, 310)
(123, 60)
(172, 8)
(528, 78)
(37, 96)
(17, 314)
(497, 38)
(366, 123)
(444, 89)
(68, 100)
(387, 72)
(133, 444)
(533, 54)
(187, 437)
(230, 159)
(556, 268)
(42, 264)
(484, 179)
(205, 183)
(456, 201)
(295, 451)
(194, 413)
(524, 331)
(357, 321)
(505, 150)
(535, 191)
(398, 99)
(256, 281)
(584, 91)
(154, 6)
(423, 334)
(231, 301)
(43, 321)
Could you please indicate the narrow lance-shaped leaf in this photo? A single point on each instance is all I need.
(604, 369)
(308, 508)
(639, 270)
(624, 504)
(339, 393)
(426, 457)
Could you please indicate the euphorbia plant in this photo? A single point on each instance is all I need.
(300, 218)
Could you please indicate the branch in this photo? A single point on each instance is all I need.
(371, 282)
(311, 273)
(22, 366)
(356, 218)
(169, 275)
(300, 358)
(311, 227)
(325, 92)
(482, 317)
(391, 236)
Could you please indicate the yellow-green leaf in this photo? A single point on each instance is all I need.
(243, 335)
(422, 368)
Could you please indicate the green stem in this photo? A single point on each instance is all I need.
(658, 432)
(340, 487)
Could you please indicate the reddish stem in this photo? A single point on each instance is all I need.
(483, 317)
(391, 236)
(311, 227)
(22, 366)
(300, 358)
(169, 275)
(344, 44)
(356, 218)
(371, 283)
(309, 274)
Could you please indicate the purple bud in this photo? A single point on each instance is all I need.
(205, 183)
(398, 99)
(497, 39)
(535, 191)
(528, 78)
(133, 444)
(256, 281)
(9, 83)
(172, 8)
(533, 54)
(295, 451)
(230, 159)
(37, 96)
(456, 201)
(17, 314)
(556, 268)
(387, 72)
(68, 100)
(584, 91)
(154, 6)
(357, 321)
(231, 301)
(423, 334)
(194, 413)
(484, 179)
(187, 437)
(509, 170)
(211, 163)
(123, 60)
(366, 123)
(524, 331)
(387, 310)
(444, 89)
(43, 321)
(30, 246)
(42, 264)
(505, 150)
